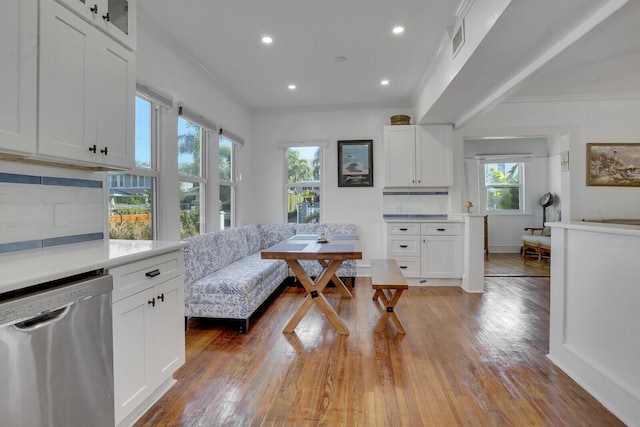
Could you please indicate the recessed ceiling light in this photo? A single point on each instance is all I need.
(384, 82)
(398, 30)
(267, 40)
(292, 87)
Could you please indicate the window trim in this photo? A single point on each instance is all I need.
(521, 185)
(322, 145)
(236, 141)
(208, 128)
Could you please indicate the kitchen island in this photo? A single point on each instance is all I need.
(22, 269)
(147, 308)
(595, 311)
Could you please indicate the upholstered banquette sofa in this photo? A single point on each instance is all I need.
(226, 278)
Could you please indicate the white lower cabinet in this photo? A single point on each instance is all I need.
(426, 250)
(148, 331)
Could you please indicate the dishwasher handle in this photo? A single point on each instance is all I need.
(43, 319)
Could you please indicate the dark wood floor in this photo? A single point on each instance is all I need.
(467, 359)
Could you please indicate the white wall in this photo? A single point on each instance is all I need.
(580, 121)
(362, 206)
(173, 72)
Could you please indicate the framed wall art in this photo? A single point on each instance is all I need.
(355, 163)
(613, 164)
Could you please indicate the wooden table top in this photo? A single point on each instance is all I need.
(307, 246)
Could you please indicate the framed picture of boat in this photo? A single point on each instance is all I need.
(613, 164)
(355, 163)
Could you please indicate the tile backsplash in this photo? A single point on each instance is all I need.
(415, 202)
(44, 206)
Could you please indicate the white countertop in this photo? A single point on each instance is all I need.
(598, 227)
(31, 267)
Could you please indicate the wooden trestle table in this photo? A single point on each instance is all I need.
(330, 254)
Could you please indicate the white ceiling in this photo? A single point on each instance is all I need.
(224, 37)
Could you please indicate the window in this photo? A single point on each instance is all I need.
(303, 186)
(191, 152)
(504, 186)
(132, 194)
(227, 182)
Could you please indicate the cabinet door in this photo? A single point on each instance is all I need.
(87, 92)
(116, 17)
(66, 114)
(399, 156)
(434, 156)
(114, 96)
(133, 341)
(18, 68)
(441, 256)
(169, 328)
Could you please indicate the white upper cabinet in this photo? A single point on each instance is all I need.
(115, 17)
(418, 156)
(87, 92)
(18, 75)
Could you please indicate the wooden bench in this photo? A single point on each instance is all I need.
(389, 283)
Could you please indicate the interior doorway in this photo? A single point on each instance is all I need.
(514, 265)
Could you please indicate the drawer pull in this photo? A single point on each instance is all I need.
(153, 273)
(404, 246)
(441, 229)
(402, 266)
(404, 229)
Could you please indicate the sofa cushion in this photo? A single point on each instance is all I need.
(197, 258)
(254, 240)
(237, 278)
(275, 233)
(537, 240)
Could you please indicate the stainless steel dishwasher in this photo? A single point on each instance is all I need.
(56, 357)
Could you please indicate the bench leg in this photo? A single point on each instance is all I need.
(390, 302)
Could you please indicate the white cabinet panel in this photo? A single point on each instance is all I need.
(169, 350)
(133, 337)
(428, 249)
(410, 266)
(148, 329)
(434, 156)
(87, 92)
(403, 228)
(441, 257)
(403, 245)
(19, 73)
(399, 156)
(418, 156)
(115, 17)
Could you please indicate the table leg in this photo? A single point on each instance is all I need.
(336, 280)
(390, 300)
(314, 295)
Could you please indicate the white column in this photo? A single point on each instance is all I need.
(473, 275)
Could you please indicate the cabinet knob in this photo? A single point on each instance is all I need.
(94, 149)
(152, 301)
(94, 9)
(105, 151)
(106, 17)
(161, 297)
